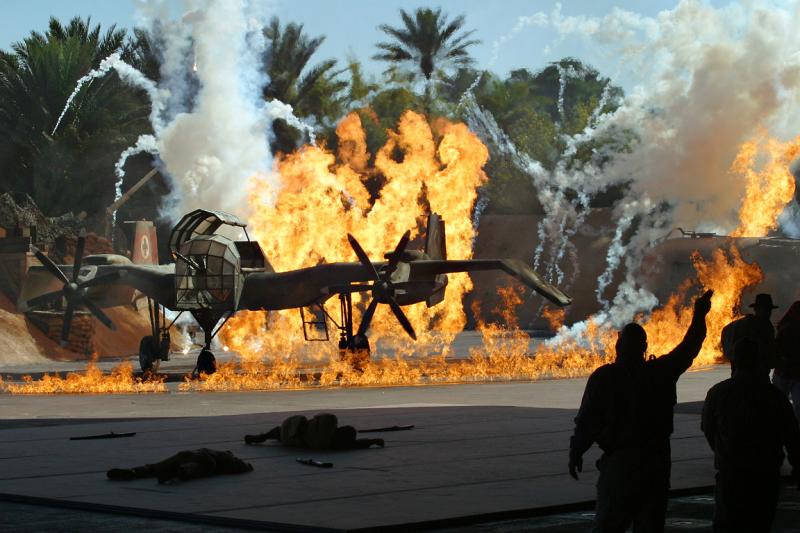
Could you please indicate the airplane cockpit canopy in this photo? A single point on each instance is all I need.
(208, 274)
(209, 264)
(200, 222)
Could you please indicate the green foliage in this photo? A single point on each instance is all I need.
(311, 90)
(72, 170)
(525, 106)
(426, 44)
(427, 40)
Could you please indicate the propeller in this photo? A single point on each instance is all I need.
(383, 290)
(72, 291)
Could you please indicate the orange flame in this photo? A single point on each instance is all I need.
(321, 199)
(767, 190)
(93, 380)
(728, 275)
(555, 317)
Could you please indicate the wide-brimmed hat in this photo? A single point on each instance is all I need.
(763, 300)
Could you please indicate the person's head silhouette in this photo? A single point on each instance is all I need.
(763, 306)
(745, 357)
(631, 344)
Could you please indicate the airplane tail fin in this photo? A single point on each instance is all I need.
(436, 248)
(145, 244)
(435, 245)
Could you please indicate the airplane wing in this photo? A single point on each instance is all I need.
(514, 267)
(107, 285)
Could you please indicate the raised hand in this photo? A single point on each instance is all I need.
(703, 304)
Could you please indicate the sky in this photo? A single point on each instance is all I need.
(350, 26)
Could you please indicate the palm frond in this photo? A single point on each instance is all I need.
(425, 38)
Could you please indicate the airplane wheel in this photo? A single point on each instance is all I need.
(163, 348)
(359, 355)
(148, 353)
(206, 362)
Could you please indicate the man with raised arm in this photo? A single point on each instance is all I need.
(627, 409)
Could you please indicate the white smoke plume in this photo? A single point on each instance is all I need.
(126, 73)
(212, 146)
(705, 80)
(211, 136)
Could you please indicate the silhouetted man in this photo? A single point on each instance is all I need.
(757, 326)
(748, 423)
(322, 432)
(627, 409)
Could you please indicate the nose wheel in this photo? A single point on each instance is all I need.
(206, 363)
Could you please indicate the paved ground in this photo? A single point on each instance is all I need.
(688, 513)
(456, 462)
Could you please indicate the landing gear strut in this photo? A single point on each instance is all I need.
(154, 348)
(353, 348)
(206, 362)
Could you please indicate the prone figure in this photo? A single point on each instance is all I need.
(322, 432)
(185, 465)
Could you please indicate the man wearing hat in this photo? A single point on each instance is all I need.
(756, 326)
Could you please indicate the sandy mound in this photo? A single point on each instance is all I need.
(24, 343)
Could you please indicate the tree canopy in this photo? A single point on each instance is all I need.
(72, 169)
(311, 90)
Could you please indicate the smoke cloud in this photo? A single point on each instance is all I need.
(704, 81)
(213, 135)
(707, 79)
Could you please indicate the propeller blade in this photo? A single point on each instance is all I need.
(367, 318)
(76, 265)
(401, 317)
(49, 265)
(97, 312)
(105, 278)
(44, 299)
(347, 288)
(66, 325)
(362, 256)
(398, 252)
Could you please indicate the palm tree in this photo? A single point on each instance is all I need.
(310, 90)
(73, 169)
(427, 42)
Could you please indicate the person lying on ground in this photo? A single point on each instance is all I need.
(185, 465)
(322, 432)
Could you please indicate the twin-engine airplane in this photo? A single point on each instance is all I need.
(214, 276)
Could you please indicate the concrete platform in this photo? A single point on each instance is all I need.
(457, 462)
(477, 453)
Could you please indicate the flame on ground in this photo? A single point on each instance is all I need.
(120, 379)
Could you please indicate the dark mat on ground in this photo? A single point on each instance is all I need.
(457, 463)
